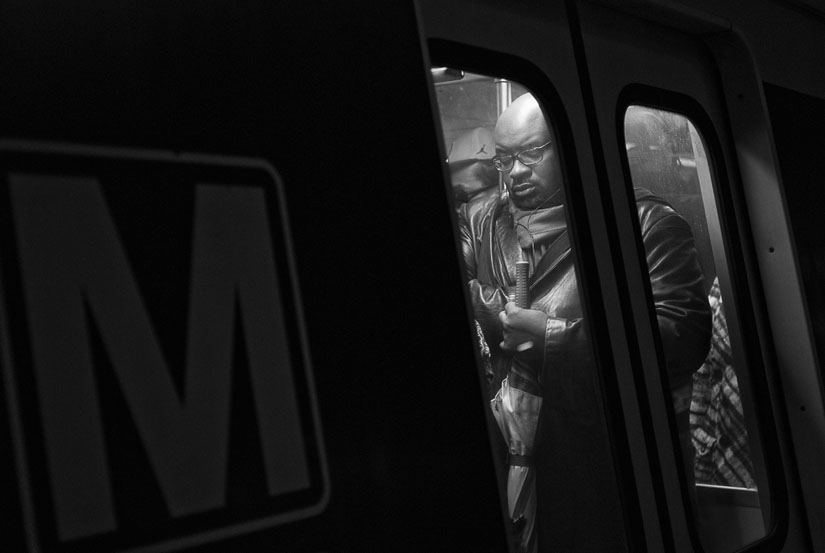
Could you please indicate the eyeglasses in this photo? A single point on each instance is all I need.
(526, 157)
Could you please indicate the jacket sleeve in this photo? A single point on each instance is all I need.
(679, 296)
(487, 300)
(566, 343)
(468, 243)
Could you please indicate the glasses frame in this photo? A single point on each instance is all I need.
(502, 168)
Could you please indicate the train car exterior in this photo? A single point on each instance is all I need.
(244, 305)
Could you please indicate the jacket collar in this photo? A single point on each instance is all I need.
(507, 250)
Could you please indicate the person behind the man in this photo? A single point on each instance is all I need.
(547, 347)
(471, 170)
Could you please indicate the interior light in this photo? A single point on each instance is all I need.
(446, 74)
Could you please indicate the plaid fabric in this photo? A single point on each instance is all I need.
(717, 424)
(484, 353)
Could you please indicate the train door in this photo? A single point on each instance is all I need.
(678, 110)
(647, 109)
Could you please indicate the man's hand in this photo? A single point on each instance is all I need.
(522, 328)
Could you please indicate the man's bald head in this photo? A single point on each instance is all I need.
(521, 127)
(523, 115)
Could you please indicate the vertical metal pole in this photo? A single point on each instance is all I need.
(504, 97)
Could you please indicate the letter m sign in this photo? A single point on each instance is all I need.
(157, 381)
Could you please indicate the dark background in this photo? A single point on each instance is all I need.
(293, 84)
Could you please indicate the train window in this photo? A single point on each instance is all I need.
(719, 440)
(537, 365)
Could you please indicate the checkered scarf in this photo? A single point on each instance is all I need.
(717, 423)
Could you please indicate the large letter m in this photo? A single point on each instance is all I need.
(74, 269)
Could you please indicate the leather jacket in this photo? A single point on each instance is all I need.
(490, 250)
(577, 505)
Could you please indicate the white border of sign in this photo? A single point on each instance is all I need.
(16, 424)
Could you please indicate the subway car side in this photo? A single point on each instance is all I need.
(236, 300)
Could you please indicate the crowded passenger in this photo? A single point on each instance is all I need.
(544, 382)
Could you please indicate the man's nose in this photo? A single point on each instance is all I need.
(518, 169)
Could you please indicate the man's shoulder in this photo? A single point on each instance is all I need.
(653, 208)
(646, 197)
(479, 208)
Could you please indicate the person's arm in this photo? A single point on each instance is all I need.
(468, 242)
(679, 296)
(555, 341)
(561, 362)
(487, 300)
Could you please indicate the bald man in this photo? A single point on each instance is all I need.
(546, 349)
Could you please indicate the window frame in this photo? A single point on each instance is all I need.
(443, 52)
(743, 291)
